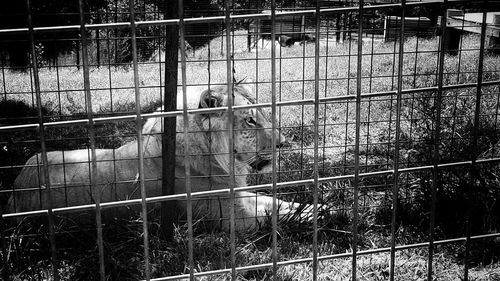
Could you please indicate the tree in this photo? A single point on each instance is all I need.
(15, 47)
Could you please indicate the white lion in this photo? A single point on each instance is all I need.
(117, 169)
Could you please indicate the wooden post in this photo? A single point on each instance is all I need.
(338, 27)
(452, 35)
(387, 25)
(250, 31)
(78, 54)
(347, 27)
(303, 29)
(98, 42)
(494, 40)
(249, 37)
(168, 208)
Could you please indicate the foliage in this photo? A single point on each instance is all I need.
(15, 47)
(11, 153)
(147, 41)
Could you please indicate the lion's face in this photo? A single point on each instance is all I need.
(252, 128)
(253, 137)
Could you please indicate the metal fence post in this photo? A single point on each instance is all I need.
(169, 123)
(474, 172)
(436, 155)
(92, 140)
(140, 152)
(356, 182)
(43, 144)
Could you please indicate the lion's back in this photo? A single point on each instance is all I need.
(69, 174)
(61, 164)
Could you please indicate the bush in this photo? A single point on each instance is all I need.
(16, 146)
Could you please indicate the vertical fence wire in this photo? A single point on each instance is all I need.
(395, 190)
(209, 83)
(4, 84)
(43, 144)
(274, 214)
(303, 111)
(436, 157)
(6, 266)
(471, 187)
(455, 104)
(279, 114)
(316, 143)
(325, 111)
(140, 151)
(187, 159)
(255, 41)
(356, 182)
(348, 85)
(95, 189)
(230, 131)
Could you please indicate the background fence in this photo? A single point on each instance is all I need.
(392, 153)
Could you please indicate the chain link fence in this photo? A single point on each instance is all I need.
(257, 140)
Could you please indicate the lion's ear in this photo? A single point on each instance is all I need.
(153, 125)
(248, 85)
(210, 99)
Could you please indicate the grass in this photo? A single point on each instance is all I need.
(112, 92)
(124, 259)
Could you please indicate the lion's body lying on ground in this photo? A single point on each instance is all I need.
(117, 169)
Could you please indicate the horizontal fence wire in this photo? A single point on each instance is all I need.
(221, 18)
(330, 257)
(146, 116)
(201, 194)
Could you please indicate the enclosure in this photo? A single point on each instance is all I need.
(373, 129)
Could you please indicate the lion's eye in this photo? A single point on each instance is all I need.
(250, 121)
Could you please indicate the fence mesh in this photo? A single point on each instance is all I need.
(315, 140)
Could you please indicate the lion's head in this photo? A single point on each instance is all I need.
(251, 127)
(208, 132)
